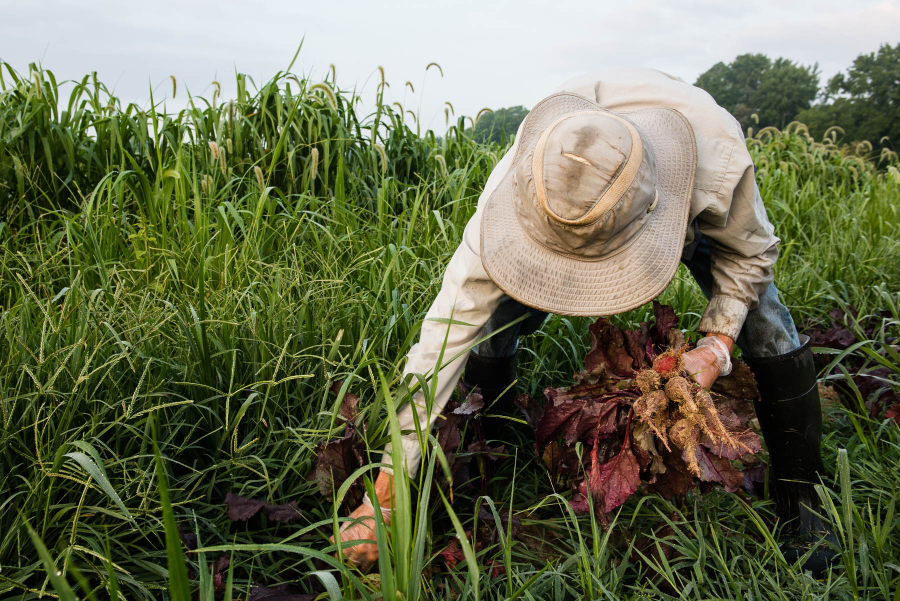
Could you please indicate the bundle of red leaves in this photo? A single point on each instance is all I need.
(643, 420)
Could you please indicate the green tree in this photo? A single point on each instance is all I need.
(499, 125)
(864, 101)
(735, 83)
(754, 84)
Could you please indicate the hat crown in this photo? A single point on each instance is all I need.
(580, 161)
(587, 186)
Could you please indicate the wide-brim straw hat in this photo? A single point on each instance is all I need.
(591, 217)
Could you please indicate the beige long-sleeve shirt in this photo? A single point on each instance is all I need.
(725, 205)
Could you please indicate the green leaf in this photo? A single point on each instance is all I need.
(179, 588)
(60, 585)
(96, 471)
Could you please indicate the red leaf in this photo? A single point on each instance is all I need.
(219, 576)
(651, 351)
(837, 337)
(676, 481)
(530, 408)
(497, 568)
(665, 321)
(748, 442)
(447, 432)
(282, 592)
(189, 539)
(719, 469)
(636, 343)
(893, 413)
(740, 383)
(580, 502)
(561, 460)
(493, 453)
(453, 553)
(335, 461)
(241, 509)
(754, 479)
(608, 353)
(473, 404)
(617, 479)
(284, 513)
(348, 409)
(575, 419)
(555, 418)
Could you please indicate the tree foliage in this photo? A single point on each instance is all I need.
(775, 91)
(499, 125)
(864, 101)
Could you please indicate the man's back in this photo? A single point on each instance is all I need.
(722, 159)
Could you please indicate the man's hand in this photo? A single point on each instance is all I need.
(363, 555)
(706, 362)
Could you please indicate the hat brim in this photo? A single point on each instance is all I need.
(557, 283)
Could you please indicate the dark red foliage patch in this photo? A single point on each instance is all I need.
(872, 383)
(349, 408)
(241, 509)
(282, 592)
(894, 412)
(486, 536)
(473, 404)
(530, 408)
(337, 459)
(453, 553)
(219, 576)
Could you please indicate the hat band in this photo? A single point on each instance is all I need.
(615, 190)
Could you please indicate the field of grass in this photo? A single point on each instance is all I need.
(195, 282)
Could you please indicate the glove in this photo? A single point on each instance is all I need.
(708, 361)
(362, 527)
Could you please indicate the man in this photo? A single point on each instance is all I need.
(611, 182)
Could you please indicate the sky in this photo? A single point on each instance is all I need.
(492, 53)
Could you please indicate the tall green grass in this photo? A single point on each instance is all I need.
(210, 273)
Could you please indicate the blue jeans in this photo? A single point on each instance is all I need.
(769, 330)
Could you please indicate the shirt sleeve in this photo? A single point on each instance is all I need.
(467, 295)
(744, 247)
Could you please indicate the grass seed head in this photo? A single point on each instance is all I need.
(313, 164)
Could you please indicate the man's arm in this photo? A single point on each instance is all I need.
(744, 250)
(469, 296)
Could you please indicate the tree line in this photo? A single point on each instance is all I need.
(864, 101)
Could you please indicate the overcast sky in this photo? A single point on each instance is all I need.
(493, 53)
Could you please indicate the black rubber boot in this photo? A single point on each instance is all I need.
(790, 416)
(494, 376)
